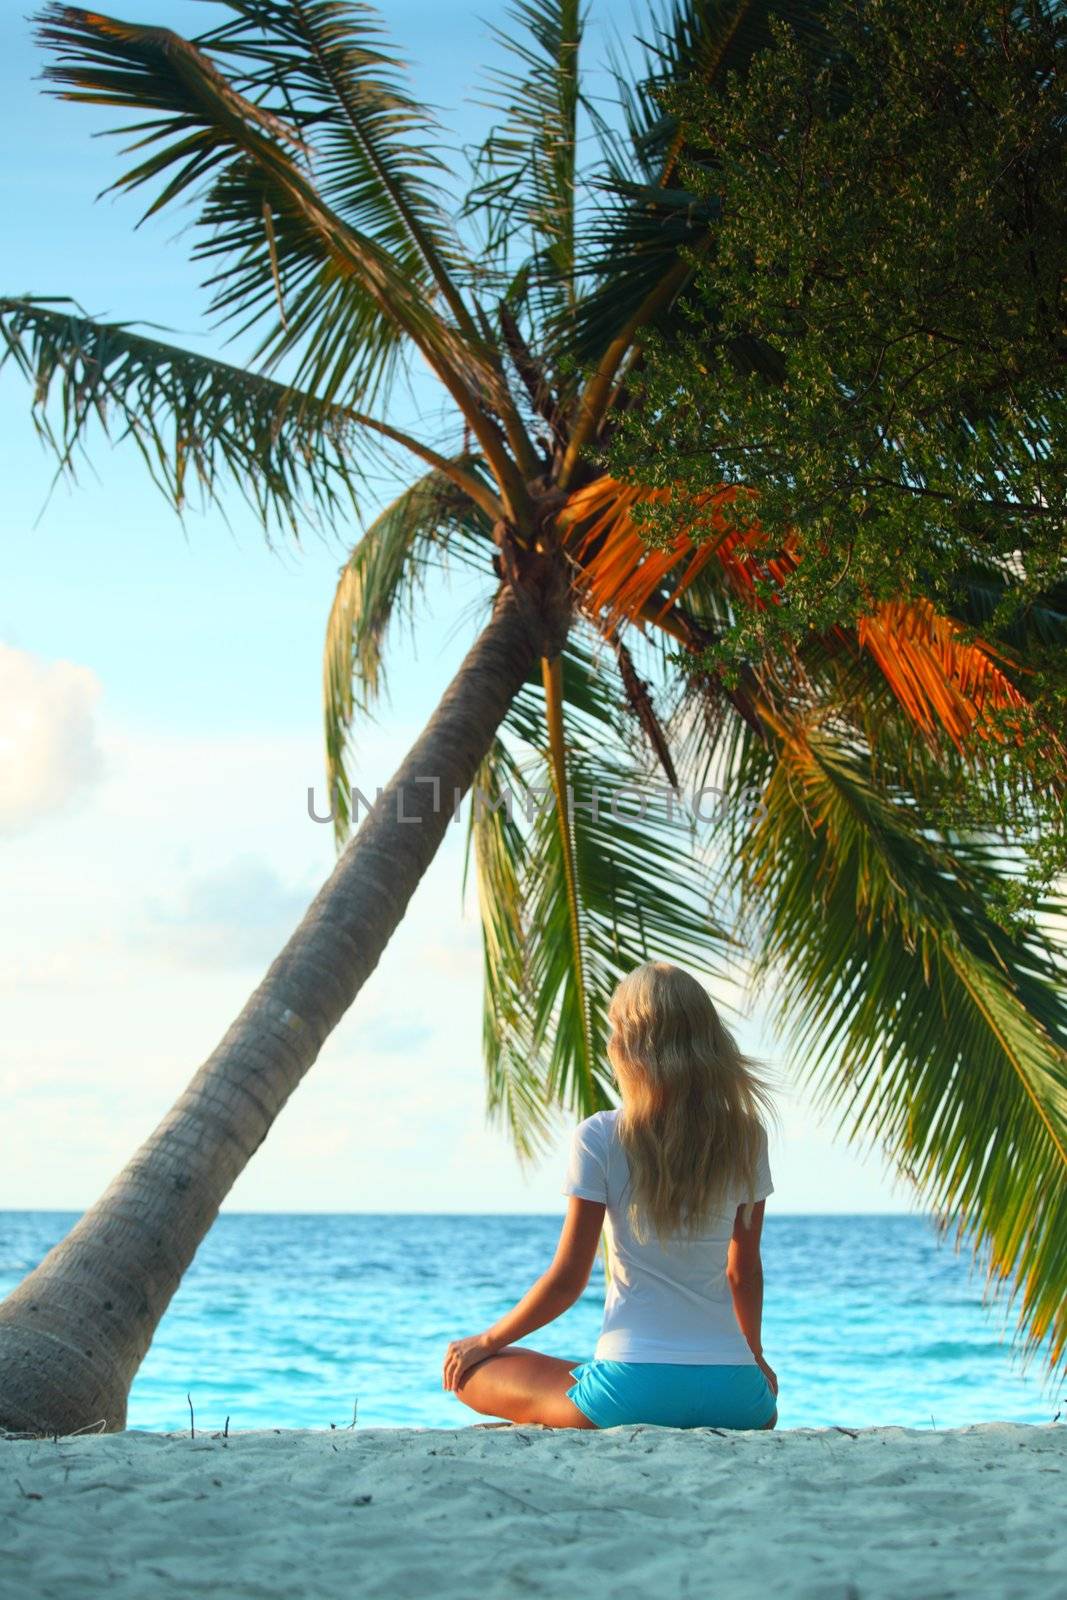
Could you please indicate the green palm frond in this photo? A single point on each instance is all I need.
(291, 454)
(1042, 622)
(348, 289)
(380, 582)
(526, 171)
(642, 893)
(943, 1032)
(716, 747)
(577, 989)
(516, 1095)
(375, 159)
(190, 416)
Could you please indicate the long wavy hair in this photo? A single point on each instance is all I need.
(690, 1118)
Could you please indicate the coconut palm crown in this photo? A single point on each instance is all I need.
(331, 240)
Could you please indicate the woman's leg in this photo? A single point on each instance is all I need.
(523, 1386)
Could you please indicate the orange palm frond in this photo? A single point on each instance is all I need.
(744, 562)
(620, 573)
(937, 675)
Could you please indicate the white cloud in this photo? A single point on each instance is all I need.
(49, 752)
(239, 915)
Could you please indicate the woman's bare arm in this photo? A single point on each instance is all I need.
(744, 1273)
(558, 1288)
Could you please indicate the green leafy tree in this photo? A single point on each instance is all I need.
(326, 230)
(878, 344)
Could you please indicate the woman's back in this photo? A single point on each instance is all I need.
(664, 1303)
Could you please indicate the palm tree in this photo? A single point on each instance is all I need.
(321, 214)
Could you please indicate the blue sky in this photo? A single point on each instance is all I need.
(160, 722)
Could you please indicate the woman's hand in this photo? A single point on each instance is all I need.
(463, 1354)
(769, 1373)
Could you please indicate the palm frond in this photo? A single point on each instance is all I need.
(718, 735)
(944, 1032)
(701, 41)
(940, 678)
(552, 684)
(191, 417)
(291, 454)
(516, 1090)
(376, 161)
(632, 269)
(1043, 621)
(641, 887)
(620, 574)
(595, 395)
(281, 249)
(375, 158)
(380, 582)
(526, 170)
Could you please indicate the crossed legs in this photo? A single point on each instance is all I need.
(523, 1386)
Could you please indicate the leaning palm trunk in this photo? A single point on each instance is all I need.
(75, 1331)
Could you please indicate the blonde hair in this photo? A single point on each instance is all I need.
(689, 1121)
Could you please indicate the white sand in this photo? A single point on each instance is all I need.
(456, 1514)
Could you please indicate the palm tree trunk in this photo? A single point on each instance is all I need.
(74, 1332)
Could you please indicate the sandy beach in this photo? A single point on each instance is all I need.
(513, 1511)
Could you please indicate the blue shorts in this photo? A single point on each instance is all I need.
(672, 1394)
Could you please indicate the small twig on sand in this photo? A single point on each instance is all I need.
(846, 1430)
(355, 1408)
(29, 1494)
(90, 1427)
(192, 1418)
(226, 1429)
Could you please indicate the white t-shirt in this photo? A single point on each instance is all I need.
(670, 1304)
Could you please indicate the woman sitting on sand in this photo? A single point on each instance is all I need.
(681, 1172)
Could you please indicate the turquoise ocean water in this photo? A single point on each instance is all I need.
(296, 1321)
